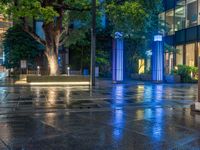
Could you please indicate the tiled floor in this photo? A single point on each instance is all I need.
(124, 116)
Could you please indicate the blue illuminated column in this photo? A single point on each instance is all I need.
(118, 50)
(158, 59)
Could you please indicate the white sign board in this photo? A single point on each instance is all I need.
(23, 64)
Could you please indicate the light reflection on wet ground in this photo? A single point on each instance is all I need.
(123, 116)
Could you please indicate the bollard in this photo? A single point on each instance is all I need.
(68, 71)
(38, 70)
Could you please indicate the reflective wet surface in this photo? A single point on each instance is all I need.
(123, 116)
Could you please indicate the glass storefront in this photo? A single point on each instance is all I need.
(198, 11)
(179, 55)
(199, 49)
(186, 14)
(191, 13)
(170, 22)
(190, 54)
(162, 23)
(180, 15)
(168, 62)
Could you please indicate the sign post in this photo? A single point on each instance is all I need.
(23, 65)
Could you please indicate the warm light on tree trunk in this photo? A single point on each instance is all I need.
(53, 63)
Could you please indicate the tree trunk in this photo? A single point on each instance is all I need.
(52, 35)
(52, 58)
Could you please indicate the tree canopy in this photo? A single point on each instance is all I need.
(65, 22)
(18, 45)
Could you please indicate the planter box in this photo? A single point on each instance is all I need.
(172, 78)
(146, 77)
(32, 79)
(135, 76)
(142, 77)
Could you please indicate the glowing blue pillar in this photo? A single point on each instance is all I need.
(118, 52)
(158, 59)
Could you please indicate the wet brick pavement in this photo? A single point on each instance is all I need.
(108, 117)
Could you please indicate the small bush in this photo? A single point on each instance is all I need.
(188, 74)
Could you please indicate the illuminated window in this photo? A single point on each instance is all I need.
(179, 55)
(199, 12)
(191, 13)
(168, 62)
(170, 22)
(162, 22)
(199, 49)
(141, 65)
(190, 54)
(180, 15)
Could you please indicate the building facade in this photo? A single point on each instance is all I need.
(182, 21)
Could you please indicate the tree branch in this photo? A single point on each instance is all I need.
(35, 36)
(67, 7)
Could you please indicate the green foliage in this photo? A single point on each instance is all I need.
(127, 18)
(138, 21)
(135, 19)
(185, 73)
(48, 11)
(170, 49)
(103, 62)
(18, 45)
(80, 53)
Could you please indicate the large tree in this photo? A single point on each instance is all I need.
(133, 18)
(57, 16)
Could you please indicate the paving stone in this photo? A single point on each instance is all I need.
(129, 116)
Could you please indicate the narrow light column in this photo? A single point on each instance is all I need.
(158, 59)
(118, 52)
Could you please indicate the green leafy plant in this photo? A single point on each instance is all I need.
(188, 74)
(19, 45)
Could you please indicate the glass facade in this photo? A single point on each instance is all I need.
(179, 55)
(180, 15)
(186, 14)
(168, 62)
(190, 54)
(162, 23)
(182, 18)
(191, 13)
(199, 49)
(170, 22)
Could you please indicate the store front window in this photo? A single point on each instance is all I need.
(191, 13)
(190, 54)
(162, 22)
(170, 22)
(179, 55)
(168, 62)
(199, 49)
(180, 15)
(199, 12)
